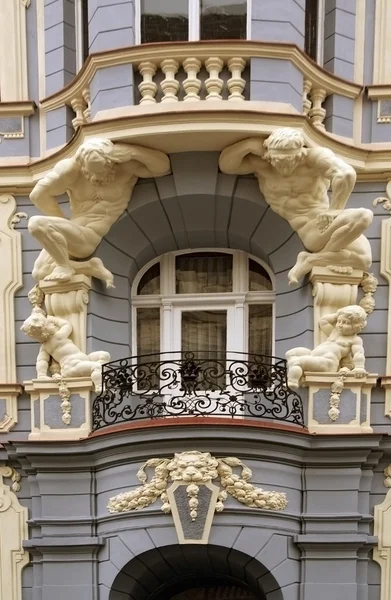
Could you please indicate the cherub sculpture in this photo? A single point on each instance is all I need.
(343, 344)
(54, 335)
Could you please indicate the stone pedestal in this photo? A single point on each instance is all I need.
(69, 300)
(331, 292)
(9, 393)
(353, 406)
(55, 417)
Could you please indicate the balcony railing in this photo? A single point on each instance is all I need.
(189, 384)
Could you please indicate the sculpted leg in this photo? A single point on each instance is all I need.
(61, 238)
(347, 227)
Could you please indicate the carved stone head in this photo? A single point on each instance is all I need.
(351, 320)
(285, 150)
(38, 326)
(95, 158)
(193, 466)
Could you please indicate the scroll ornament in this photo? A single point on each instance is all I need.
(196, 468)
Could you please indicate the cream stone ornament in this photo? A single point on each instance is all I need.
(343, 347)
(13, 532)
(196, 468)
(99, 181)
(294, 181)
(54, 335)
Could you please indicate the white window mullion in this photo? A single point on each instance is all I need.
(137, 22)
(320, 33)
(194, 20)
(248, 23)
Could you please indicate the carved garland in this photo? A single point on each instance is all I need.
(196, 468)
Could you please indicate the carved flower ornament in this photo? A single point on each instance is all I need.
(196, 468)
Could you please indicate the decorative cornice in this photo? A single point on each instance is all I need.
(157, 52)
(17, 109)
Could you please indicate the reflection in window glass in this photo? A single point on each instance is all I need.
(148, 331)
(150, 281)
(311, 28)
(223, 19)
(260, 329)
(259, 279)
(204, 332)
(201, 273)
(164, 21)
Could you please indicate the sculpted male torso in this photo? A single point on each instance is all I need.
(99, 182)
(294, 181)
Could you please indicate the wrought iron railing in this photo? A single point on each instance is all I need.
(189, 384)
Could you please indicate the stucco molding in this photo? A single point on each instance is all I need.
(193, 469)
(382, 553)
(17, 109)
(14, 531)
(198, 128)
(11, 280)
(13, 45)
(201, 50)
(382, 48)
(385, 270)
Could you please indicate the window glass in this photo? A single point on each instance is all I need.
(150, 281)
(259, 279)
(223, 19)
(164, 21)
(148, 331)
(200, 273)
(260, 329)
(311, 28)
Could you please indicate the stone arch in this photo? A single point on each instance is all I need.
(156, 572)
(197, 207)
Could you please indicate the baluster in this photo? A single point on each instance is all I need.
(236, 83)
(317, 113)
(214, 84)
(307, 85)
(87, 99)
(169, 85)
(192, 84)
(78, 106)
(147, 87)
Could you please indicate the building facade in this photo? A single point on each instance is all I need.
(195, 241)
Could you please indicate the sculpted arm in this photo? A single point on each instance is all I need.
(358, 357)
(145, 162)
(65, 328)
(238, 159)
(327, 323)
(42, 363)
(342, 176)
(55, 183)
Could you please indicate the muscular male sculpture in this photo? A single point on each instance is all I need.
(99, 181)
(294, 181)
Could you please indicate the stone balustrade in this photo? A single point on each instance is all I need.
(191, 80)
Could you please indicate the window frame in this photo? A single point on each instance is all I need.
(194, 21)
(236, 303)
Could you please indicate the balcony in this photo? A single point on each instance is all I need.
(175, 384)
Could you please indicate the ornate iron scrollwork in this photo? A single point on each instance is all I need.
(188, 384)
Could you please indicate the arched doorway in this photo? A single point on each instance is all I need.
(194, 572)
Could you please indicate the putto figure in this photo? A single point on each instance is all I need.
(294, 181)
(343, 343)
(99, 181)
(54, 335)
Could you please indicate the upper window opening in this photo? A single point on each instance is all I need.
(183, 20)
(224, 20)
(150, 281)
(201, 273)
(81, 27)
(166, 21)
(314, 29)
(259, 279)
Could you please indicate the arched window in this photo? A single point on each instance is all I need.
(205, 301)
(190, 20)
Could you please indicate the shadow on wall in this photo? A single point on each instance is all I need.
(196, 207)
(197, 572)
